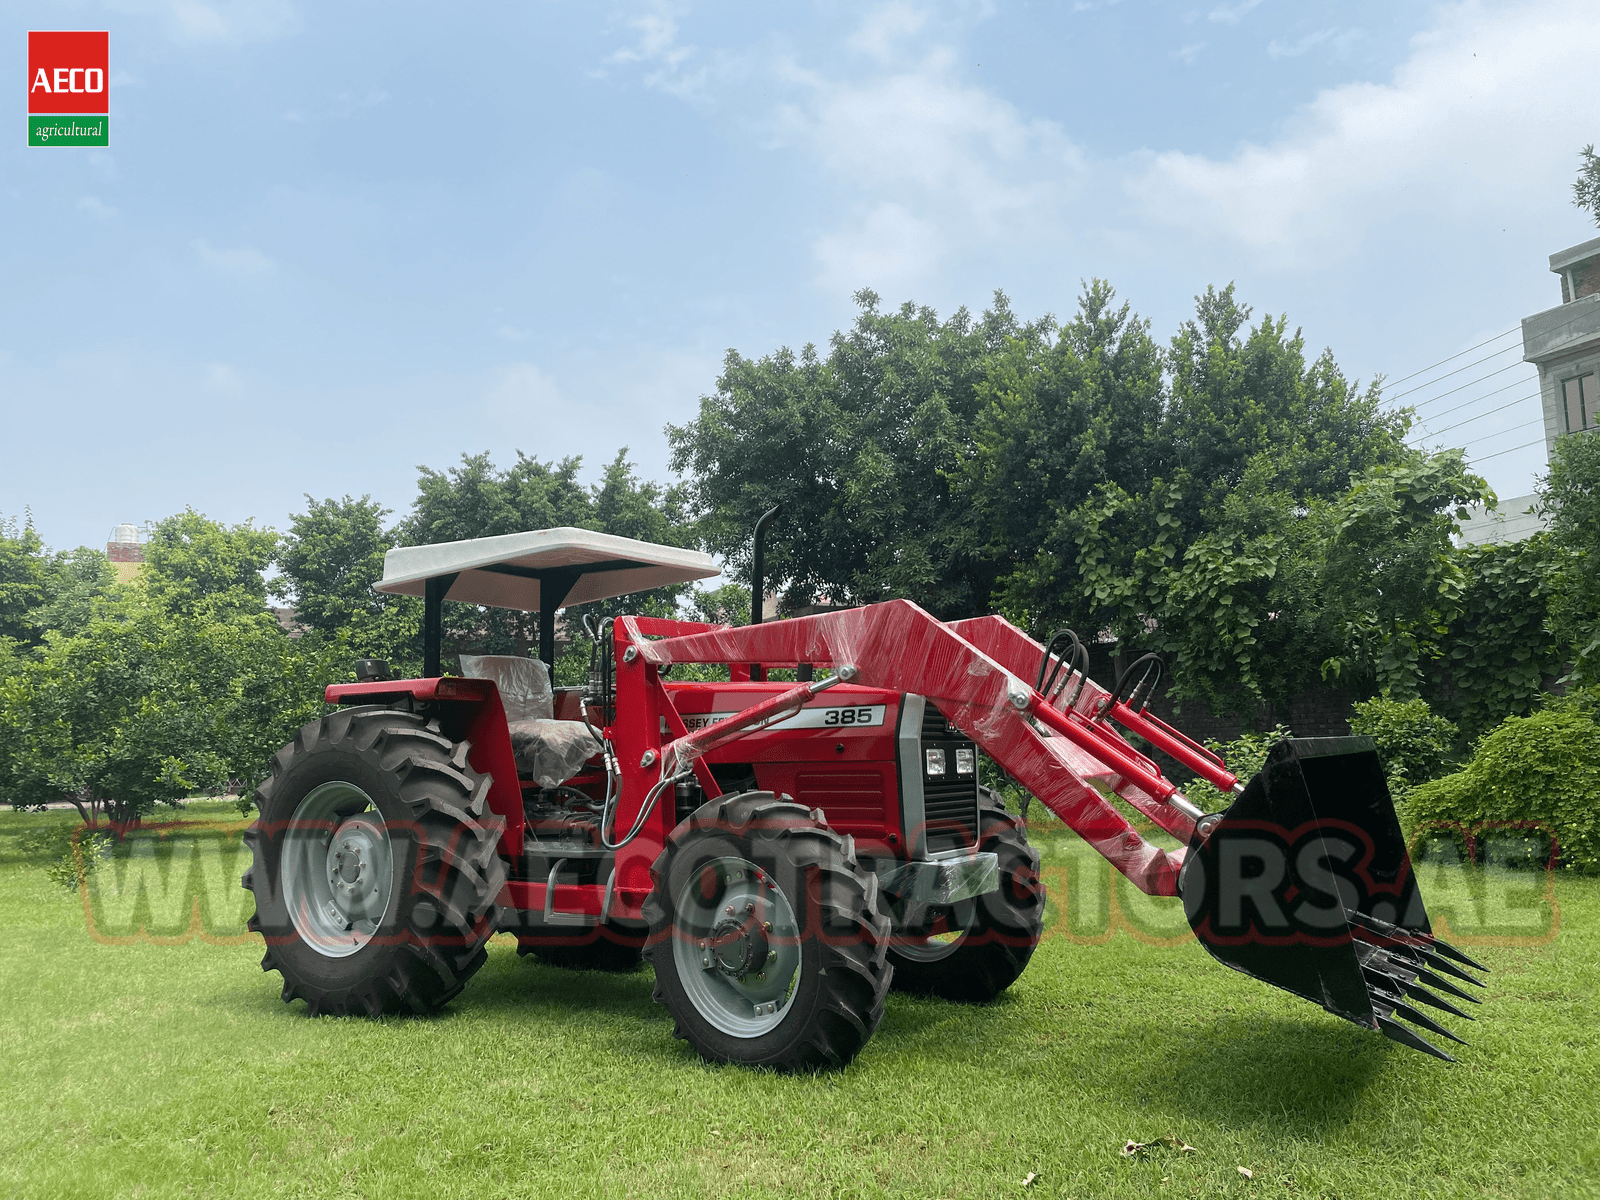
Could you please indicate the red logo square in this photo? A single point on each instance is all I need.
(69, 72)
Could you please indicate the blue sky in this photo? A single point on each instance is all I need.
(332, 241)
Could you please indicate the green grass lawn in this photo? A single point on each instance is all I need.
(171, 1067)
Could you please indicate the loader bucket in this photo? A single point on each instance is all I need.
(1305, 883)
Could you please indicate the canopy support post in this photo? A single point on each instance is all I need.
(432, 622)
(553, 588)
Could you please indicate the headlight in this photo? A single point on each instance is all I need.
(966, 762)
(935, 762)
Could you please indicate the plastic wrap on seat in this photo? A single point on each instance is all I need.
(552, 751)
(524, 684)
(549, 750)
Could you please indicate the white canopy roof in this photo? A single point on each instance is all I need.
(508, 571)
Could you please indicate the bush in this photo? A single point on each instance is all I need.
(1540, 769)
(1245, 755)
(1415, 744)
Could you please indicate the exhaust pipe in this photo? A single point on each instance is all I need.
(1305, 883)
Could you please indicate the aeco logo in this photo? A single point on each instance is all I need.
(68, 88)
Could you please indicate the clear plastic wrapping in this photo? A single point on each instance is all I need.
(549, 750)
(524, 684)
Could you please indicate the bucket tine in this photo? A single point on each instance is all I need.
(1405, 1037)
(1427, 1022)
(1439, 964)
(1450, 951)
(1418, 992)
(1450, 989)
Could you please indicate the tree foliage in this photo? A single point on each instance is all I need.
(1570, 497)
(861, 448)
(1586, 188)
(197, 567)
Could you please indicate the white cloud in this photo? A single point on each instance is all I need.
(890, 250)
(1232, 14)
(1282, 48)
(240, 262)
(924, 161)
(885, 27)
(96, 208)
(222, 379)
(521, 390)
(211, 22)
(1472, 121)
(1187, 54)
(656, 44)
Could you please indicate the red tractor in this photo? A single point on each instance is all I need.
(784, 853)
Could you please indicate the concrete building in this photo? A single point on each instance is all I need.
(125, 551)
(1564, 344)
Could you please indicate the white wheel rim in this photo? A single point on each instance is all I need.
(728, 915)
(337, 869)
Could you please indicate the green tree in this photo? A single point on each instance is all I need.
(860, 448)
(1569, 497)
(195, 566)
(22, 580)
(1498, 650)
(330, 558)
(79, 586)
(1060, 418)
(1586, 188)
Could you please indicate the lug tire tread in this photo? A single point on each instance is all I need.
(850, 1003)
(461, 877)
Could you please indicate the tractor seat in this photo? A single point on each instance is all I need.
(549, 750)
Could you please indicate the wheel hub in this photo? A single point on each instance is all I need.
(738, 945)
(337, 869)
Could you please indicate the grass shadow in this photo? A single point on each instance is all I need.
(1283, 1074)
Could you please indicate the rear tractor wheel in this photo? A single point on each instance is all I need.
(766, 936)
(374, 864)
(973, 950)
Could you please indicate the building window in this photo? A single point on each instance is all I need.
(1578, 398)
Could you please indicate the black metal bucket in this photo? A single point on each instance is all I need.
(1305, 883)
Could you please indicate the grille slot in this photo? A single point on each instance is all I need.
(950, 801)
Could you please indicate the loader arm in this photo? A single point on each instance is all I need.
(1071, 764)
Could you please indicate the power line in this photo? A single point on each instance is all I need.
(1498, 453)
(1497, 433)
(1490, 413)
(1455, 356)
(1495, 392)
(1463, 387)
(1447, 374)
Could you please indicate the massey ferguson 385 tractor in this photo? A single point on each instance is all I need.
(784, 853)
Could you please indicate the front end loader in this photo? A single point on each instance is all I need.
(784, 853)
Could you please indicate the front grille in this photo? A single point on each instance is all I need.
(949, 801)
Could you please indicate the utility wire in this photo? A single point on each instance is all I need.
(1489, 413)
(1498, 433)
(1463, 387)
(1494, 392)
(1453, 357)
(1498, 453)
(1447, 374)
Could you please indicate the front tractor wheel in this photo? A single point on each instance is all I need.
(374, 864)
(974, 950)
(766, 937)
